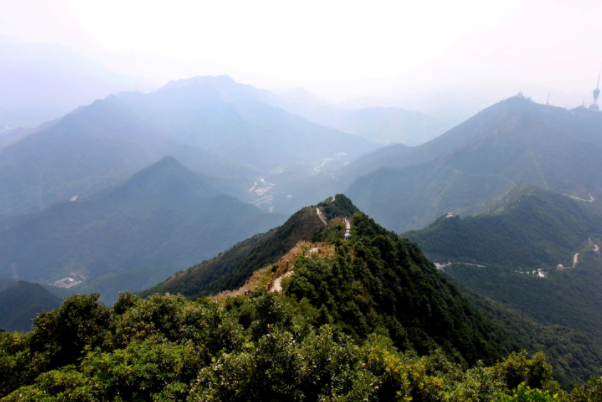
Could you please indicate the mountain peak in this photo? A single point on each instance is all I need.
(166, 178)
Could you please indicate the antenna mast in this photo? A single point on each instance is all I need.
(594, 105)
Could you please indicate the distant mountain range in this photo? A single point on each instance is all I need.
(163, 218)
(211, 125)
(515, 141)
(535, 251)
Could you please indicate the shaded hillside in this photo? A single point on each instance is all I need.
(21, 302)
(514, 149)
(164, 218)
(528, 234)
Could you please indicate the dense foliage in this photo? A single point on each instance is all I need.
(529, 228)
(574, 356)
(387, 285)
(167, 348)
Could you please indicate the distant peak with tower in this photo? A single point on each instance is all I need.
(594, 105)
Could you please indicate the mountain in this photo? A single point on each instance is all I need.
(502, 146)
(384, 125)
(400, 294)
(232, 268)
(163, 218)
(364, 317)
(211, 128)
(31, 76)
(229, 119)
(512, 253)
(381, 287)
(92, 148)
(580, 124)
(21, 302)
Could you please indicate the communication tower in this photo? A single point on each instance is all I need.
(594, 106)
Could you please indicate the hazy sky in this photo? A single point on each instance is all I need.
(338, 49)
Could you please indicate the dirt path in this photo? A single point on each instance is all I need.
(320, 216)
(278, 282)
(591, 198)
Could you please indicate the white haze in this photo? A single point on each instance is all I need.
(446, 58)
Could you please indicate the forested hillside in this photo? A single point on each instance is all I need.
(519, 246)
(232, 268)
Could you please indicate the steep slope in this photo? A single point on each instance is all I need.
(21, 302)
(519, 245)
(574, 356)
(518, 149)
(163, 218)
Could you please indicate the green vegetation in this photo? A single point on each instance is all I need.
(262, 349)
(21, 302)
(529, 229)
(266, 348)
(164, 218)
(573, 355)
